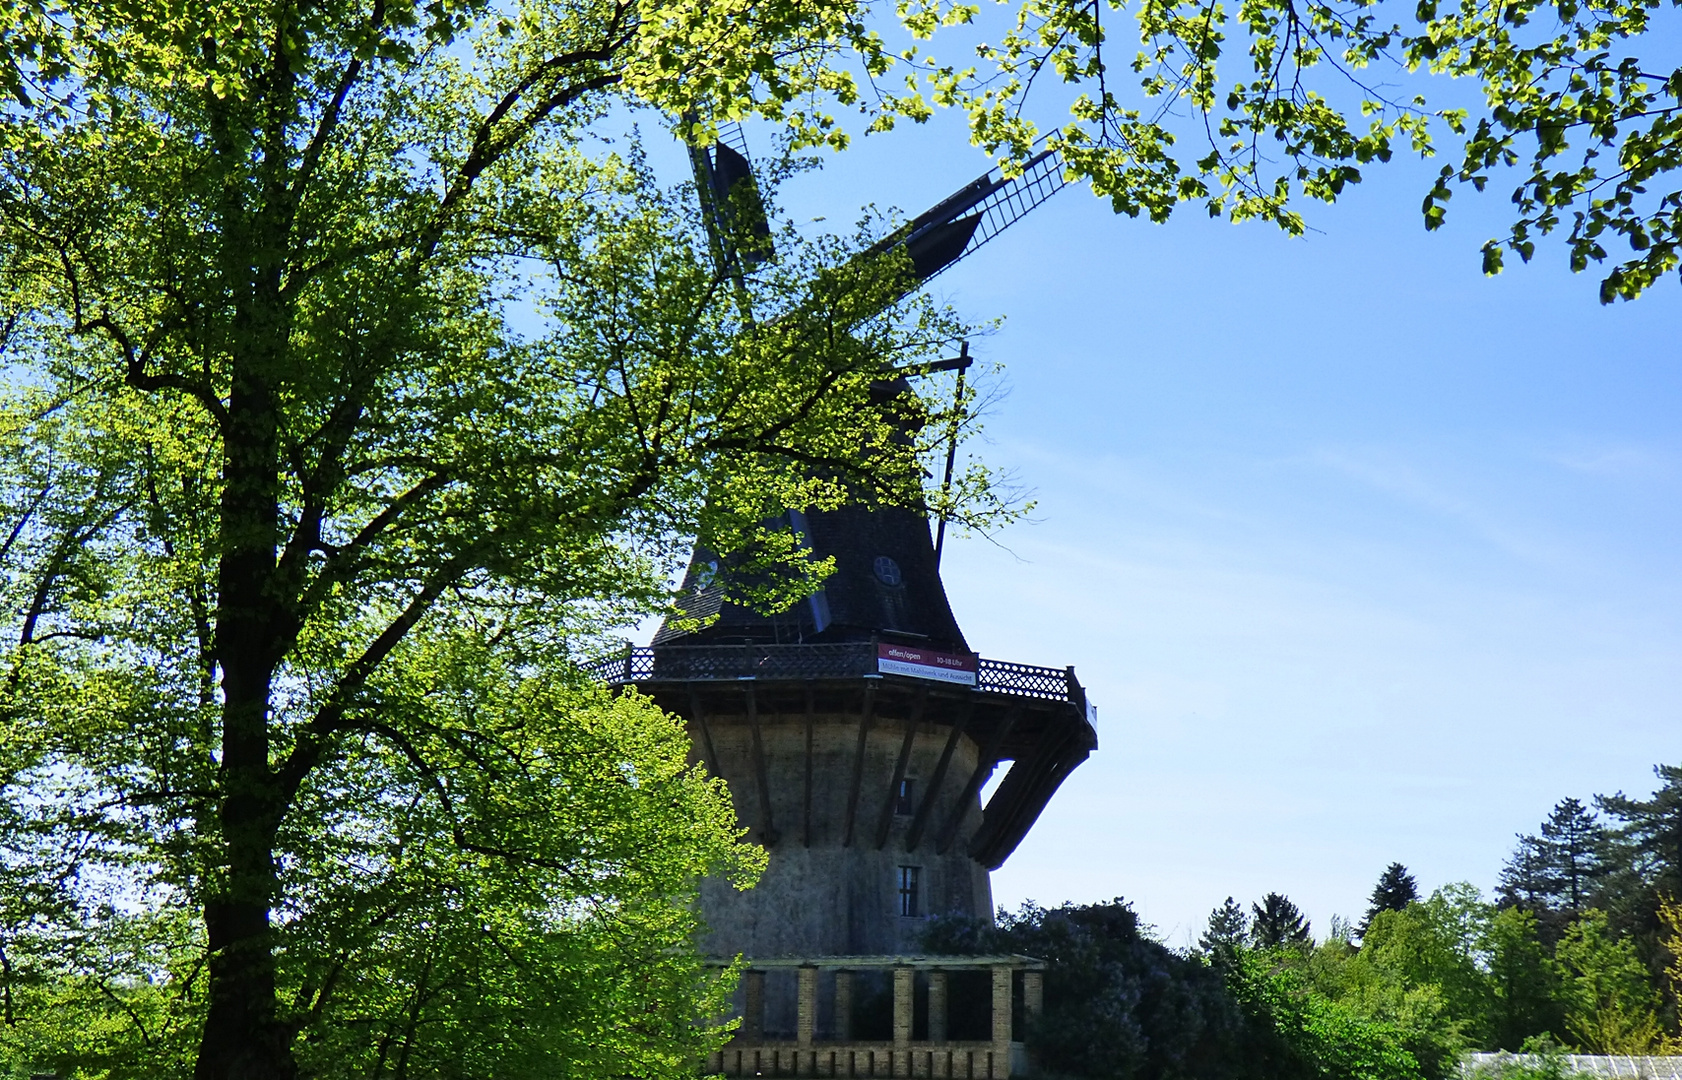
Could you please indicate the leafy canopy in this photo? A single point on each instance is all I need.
(354, 389)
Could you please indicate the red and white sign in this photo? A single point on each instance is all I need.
(925, 664)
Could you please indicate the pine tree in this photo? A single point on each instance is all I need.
(1226, 932)
(1524, 880)
(1652, 830)
(1396, 889)
(1642, 864)
(1277, 923)
(1572, 846)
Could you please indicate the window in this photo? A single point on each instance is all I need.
(905, 800)
(908, 904)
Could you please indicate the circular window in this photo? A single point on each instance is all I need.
(887, 571)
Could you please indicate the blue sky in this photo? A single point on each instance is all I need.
(1364, 556)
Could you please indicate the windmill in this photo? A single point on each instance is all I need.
(857, 731)
(933, 241)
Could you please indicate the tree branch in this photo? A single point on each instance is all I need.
(312, 741)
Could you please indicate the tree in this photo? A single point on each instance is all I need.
(1276, 923)
(1296, 1031)
(1642, 864)
(1437, 944)
(1524, 881)
(1572, 842)
(1580, 130)
(1117, 1004)
(1651, 830)
(1524, 983)
(1610, 1004)
(1226, 932)
(1396, 889)
(413, 941)
(1670, 917)
(1557, 874)
(329, 343)
(1573, 119)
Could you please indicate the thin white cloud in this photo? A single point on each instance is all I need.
(1409, 482)
(1616, 460)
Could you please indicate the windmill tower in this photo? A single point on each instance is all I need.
(857, 730)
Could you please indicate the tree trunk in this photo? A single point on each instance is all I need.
(244, 1036)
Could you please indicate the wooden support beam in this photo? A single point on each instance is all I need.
(931, 793)
(1017, 802)
(984, 767)
(706, 732)
(806, 807)
(886, 823)
(767, 831)
(865, 717)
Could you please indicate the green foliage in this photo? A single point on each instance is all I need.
(1117, 1004)
(1540, 1059)
(1287, 101)
(1396, 889)
(1449, 973)
(1433, 979)
(1611, 1005)
(1301, 1032)
(1245, 110)
(1226, 932)
(1277, 923)
(1435, 943)
(1646, 845)
(1396, 978)
(496, 887)
(1524, 981)
(352, 393)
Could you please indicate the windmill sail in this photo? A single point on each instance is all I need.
(730, 202)
(937, 238)
(974, 214)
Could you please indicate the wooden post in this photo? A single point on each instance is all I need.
(931, 793)
(902, 1020)
(984, 766)
(889, 804)
(1001, 1021)
(706, 732)
(843, 1004)
(937, 1006)
(768, 835)
(806, 796)
(753, 1010)
(858, 764)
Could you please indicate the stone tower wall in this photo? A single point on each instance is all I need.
(820, 894)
